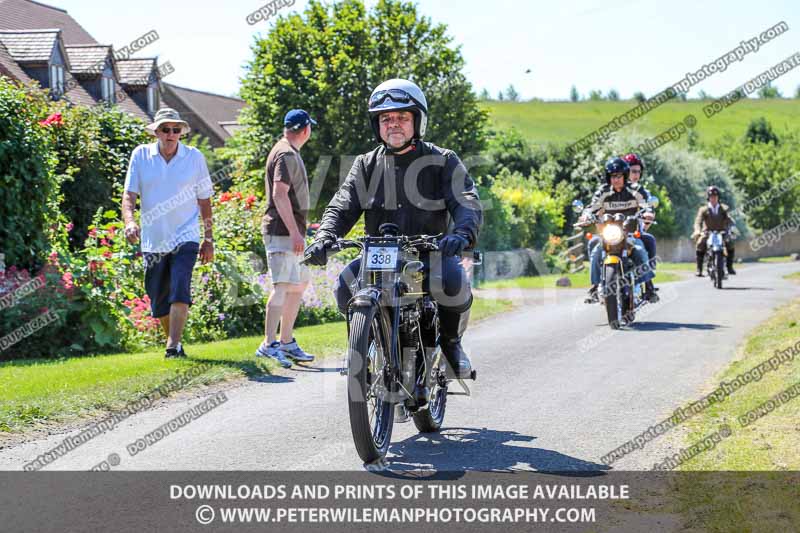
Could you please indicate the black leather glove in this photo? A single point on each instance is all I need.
(452, 245)
(317, 253)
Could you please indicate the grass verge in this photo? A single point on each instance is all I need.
(770, 443)
(46, 391)
(579, 280)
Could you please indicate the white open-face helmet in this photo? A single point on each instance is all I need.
(399, 95)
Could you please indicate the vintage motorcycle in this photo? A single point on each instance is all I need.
(716, 255)
(393, 358)
(619, 292)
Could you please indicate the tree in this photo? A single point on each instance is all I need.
(639, 96)
(797, 94)
(500, 96)
(595, 95)
(613, 95)
(511, 94)
(760, 131)
(485, 96)
(575, 96)
(768, 91)
(328, 59)
(702, 95)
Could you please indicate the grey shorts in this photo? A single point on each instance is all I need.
(283, 264)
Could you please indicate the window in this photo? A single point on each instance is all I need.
(107, 88)
(57, 80)
(152, 99)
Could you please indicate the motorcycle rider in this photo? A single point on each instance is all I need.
(616, 197)
(421, 188)
(636, 165)
(713, 217)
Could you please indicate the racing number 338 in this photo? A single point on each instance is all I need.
(382, 258)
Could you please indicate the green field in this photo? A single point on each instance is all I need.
(566, 122)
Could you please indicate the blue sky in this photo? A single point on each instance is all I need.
(628, 45)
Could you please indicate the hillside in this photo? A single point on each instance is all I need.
(566, 122)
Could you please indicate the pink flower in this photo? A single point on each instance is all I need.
(104, 242)
(107, 254)
(70, 226)
(67, 280)
(112, 231)
(93, 232)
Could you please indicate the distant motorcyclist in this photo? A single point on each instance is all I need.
(422, 188)
(713, 216)
(616, 197)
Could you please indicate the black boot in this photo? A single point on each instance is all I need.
(729, 263)
(650, 292)
(592, 298)
(451, 328)
(700, 257)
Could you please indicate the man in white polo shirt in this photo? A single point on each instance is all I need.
(175, 189)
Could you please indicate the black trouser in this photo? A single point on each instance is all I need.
(446, 281)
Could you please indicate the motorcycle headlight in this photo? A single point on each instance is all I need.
(613, 234)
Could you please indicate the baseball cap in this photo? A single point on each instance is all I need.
(297, 118)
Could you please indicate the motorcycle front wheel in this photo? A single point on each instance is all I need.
(720, 267)
(371, 415)
(613, 296)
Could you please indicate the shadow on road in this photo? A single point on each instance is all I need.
(671, 326)
(456, 450)
(747, 289)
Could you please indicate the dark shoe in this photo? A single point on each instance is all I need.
(171, 353)
(592, 298)
(181, 351)
(650, 293)
(700, 258)
(451, 328)
(731, 271)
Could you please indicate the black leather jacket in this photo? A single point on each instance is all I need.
(383, 187)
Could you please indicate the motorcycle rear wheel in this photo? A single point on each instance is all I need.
(720, 268)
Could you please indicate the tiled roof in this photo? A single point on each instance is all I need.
(87, 59)
(9, 67)
(29, 46)
(212, 109)
(136, 71)
(25, 14)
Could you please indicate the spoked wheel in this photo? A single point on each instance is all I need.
(720, 268)
(614, 301)
(371, 415)
(431, 418)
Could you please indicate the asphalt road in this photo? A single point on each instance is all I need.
(557, 390)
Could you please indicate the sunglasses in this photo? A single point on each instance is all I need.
(167, 129)
(398, 95)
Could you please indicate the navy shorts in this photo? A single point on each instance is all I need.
(168, 277)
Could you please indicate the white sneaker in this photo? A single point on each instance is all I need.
(294, 352)
(272, 351)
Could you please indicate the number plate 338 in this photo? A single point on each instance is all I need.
(382, 258)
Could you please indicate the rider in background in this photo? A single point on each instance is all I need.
(423, 189)
(616, 197)
(713, 217)
(636, 165)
